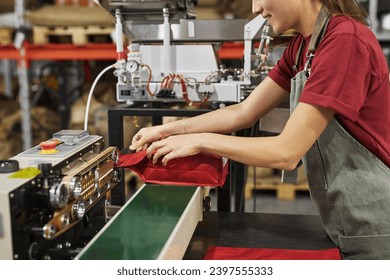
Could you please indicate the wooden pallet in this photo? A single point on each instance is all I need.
(284, 191)
(6, 36)
(78, 35)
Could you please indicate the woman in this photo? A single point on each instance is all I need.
(340, 121)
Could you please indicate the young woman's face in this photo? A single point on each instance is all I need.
(281, 14)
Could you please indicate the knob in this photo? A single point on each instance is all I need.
(64, 220)
(8, 166)
(58, 195)
(75, 187)
(78, 210)
(49, 231)
(45, 168)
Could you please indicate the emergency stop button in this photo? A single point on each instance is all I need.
(48, 147)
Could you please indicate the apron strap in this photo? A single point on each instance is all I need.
(319, 29)
(318, 33)
(298, 57)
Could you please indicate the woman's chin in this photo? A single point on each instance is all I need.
(278, 29)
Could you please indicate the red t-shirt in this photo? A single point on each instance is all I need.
(350, 75)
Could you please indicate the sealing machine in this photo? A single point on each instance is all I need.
(55, 196)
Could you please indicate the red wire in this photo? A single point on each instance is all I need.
(149, 79)
(167, 83)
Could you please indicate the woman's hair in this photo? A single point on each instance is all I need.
(350, 8)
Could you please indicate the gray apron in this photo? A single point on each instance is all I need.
(348, 184)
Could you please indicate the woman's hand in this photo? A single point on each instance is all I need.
(145, 136)
(174, 147)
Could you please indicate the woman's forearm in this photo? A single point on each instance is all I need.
(235, 117)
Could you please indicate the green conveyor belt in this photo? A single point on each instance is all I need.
(141, 229)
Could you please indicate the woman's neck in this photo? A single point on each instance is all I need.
(309, 16)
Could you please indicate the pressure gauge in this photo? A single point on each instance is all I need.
(132, 66)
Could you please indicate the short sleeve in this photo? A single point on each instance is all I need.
(340, 75)
(282, 73)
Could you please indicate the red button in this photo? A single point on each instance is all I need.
(48, 145)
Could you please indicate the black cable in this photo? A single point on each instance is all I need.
(253, 132)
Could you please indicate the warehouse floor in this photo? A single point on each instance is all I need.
(266, 202)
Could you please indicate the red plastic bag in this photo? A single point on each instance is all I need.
(197, 170)
(234, 253)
